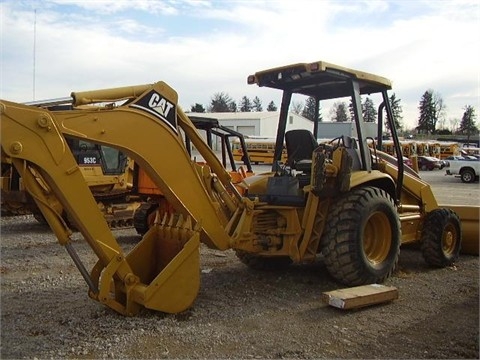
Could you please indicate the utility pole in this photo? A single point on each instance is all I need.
(34, 48)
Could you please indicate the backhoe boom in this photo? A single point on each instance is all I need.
(36, 144)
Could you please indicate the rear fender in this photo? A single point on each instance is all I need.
(373, 178)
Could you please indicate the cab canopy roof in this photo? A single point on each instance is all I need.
(203, 122)
(320, 80)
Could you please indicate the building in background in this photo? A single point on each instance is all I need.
(330, 130)
(262, 123)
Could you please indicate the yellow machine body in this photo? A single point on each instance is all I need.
(271, 221)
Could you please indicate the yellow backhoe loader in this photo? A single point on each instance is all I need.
(351, 203)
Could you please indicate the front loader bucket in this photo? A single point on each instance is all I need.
(167, 262)
(470, 220)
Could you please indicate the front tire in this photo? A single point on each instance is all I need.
(361, 243)
(441, 238)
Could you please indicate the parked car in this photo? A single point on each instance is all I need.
(407, 161)
(455, 157)
(429, 163)
(468, 170)
(460, 158)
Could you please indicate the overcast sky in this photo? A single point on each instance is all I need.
(50, 48)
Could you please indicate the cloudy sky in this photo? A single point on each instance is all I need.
(50, 48)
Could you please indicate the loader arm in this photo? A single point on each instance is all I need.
(165, 262)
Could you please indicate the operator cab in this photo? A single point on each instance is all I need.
(323, 81)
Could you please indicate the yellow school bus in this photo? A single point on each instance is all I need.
(434, 149)
(423, 148)
(388, 147)
(449, 149)
(409, 148)
(260, 150)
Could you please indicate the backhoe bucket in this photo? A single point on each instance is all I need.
(470, 220)
(167, 261)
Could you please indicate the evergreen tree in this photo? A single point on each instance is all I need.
(309, 109)
(467, 125)
(271, 106)
(350, 109)
(396, 112)
(257, 104)
(368, 111)
(431, 109)
(426, 111)
(197, 108)
(245, 104)
(222, 102)
(339, 112)
(232, 106)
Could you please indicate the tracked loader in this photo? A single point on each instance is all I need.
(108, 172)
(345, 200)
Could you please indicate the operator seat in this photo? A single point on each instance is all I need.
(351, 146)
(300, 145)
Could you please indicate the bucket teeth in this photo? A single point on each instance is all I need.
(176, 226)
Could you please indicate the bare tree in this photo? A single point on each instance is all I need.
(222, 102)
(296, 107)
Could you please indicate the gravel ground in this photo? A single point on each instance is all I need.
(239, 313)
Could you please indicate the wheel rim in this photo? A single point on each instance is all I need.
(449, 240)
(377, 238)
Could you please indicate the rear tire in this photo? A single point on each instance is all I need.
(441, 238)
(361, 243)
(467, 176)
